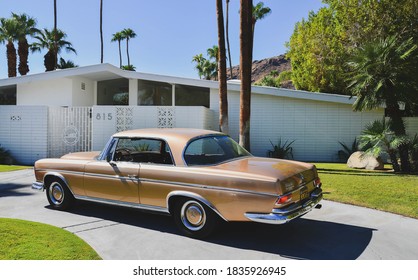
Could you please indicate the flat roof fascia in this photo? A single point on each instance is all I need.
(105, 70)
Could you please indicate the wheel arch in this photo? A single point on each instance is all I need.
(172, 197)
(49, 177)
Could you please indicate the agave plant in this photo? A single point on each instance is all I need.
(346, 152)
(281, 150)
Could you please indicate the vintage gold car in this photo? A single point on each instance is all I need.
(199, 177)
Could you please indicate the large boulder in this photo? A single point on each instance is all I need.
(362, 161)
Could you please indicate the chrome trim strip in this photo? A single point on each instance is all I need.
(194, 196)
(280, 217)
(188, 185)
(124, 204)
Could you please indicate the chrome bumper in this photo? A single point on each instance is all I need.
(281, 216)
(39, 186)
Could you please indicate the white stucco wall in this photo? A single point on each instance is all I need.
(59, 92)
(56, 92)
(80, 96)
(316, 126)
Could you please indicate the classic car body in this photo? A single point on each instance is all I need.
(200, 177)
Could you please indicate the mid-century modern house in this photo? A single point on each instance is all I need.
(78, 109)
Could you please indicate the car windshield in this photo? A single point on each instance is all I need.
(212, 150)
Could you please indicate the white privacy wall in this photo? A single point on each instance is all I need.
(316, 126)
(108, 120)
(23, 131)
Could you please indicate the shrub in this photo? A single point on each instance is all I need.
(5, 157)
(283, 151)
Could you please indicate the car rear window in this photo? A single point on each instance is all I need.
(212, 150)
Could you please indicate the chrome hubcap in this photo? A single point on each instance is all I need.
(56, 193)
(193, 215)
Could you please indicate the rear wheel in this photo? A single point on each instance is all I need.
(194, 218)
(58, 194)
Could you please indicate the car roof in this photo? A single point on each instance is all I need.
(177, 138)
(166, 133)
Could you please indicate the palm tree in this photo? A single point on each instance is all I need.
(213, 53)
(383, 72)
(380, 139)
(101, 31)
(26, 27)
(64, 64)
(118, 37)
(221, 59)
(227, 39)
(50, 40)
(258, 12)
(209, 69)
(128, 34)
(8, 33)
(245, 71)
(199, 59)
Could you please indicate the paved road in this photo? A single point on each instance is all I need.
(337, 231)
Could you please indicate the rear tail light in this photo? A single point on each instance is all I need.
(284, 199)
(317, 183)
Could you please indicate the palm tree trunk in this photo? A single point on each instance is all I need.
(55, 37)
(227, 39)
(245, 71)
(101, 31)
(11, 59)
(223, 90)
(398, 127)
(49, 60)
(120, 55)
(23, 51)
(127, 51)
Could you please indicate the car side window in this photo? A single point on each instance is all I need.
(143, 150)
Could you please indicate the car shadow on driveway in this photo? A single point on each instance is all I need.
(13, 189)
(303, 238)
(300, 239)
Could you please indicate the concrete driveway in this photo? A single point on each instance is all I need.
(337, 231)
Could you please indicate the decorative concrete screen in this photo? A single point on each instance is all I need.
(69, 130)
(23, 132)
(108, 120)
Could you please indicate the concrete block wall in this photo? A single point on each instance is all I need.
(23, 131)
(316, 126)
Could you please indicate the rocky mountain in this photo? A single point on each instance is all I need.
(264, 67)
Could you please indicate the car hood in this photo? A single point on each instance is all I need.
(81, 155)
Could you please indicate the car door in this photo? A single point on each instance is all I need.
(115, 179)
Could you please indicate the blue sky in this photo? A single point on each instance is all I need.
(169, 33)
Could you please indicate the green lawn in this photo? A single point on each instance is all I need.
(5, 168)
(24, 240)
(382, 190)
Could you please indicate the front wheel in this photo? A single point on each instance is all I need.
(59, 196)
(194, 218)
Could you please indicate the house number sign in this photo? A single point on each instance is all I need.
(104, 116)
